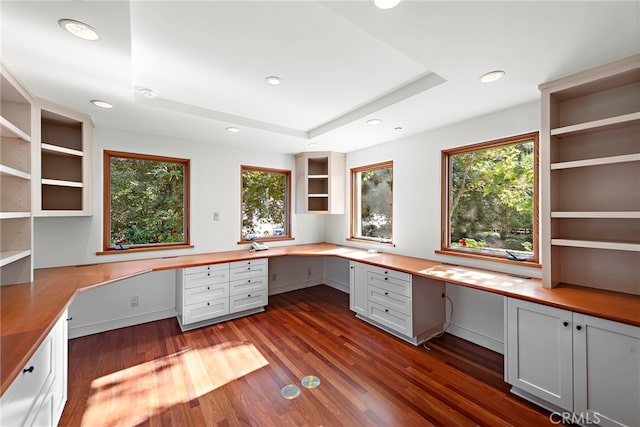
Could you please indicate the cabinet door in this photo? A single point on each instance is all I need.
(60, 361)
(539, 351)
(358, 288)
(606, 371)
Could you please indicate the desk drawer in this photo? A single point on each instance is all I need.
(245, 286)
(205, 310)
(36, 377)
(390, 318)
(248, 263)
(389, 283)
(248, 271)
(392, 300)
(205, 293)
(247, 301)
(207, 268)
(206, 278)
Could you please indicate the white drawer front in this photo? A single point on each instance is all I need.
(206, 278)
(248, 263)
(207, 268)
(388, 299)
(246, 272)
(389, 283)
(205, 293)
(395, 320)
(247, 301)
(17, 402)
(245, 286)
(406, 277)
(205, 310)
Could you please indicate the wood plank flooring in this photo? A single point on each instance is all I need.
(231, 374)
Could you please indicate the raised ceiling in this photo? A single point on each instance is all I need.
(341, 62)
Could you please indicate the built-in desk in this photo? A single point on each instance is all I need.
(29, 311)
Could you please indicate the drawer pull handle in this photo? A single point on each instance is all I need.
(386, 272)
(386, 310)
(386, 278)
(249, 296)
(249, 281)
(565, 323)
(29, 369)
(208, 274)
(208, 288)
(386, 293)
(248, 268)
(208, 303)
(69, 319)
(579, 327)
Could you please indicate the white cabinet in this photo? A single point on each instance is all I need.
(358, 288)
(574, 362)
(62, 164)
(214, 293)
(38, 395)
(15, 181)
(411, 308)
(320, 182)
(590, 169)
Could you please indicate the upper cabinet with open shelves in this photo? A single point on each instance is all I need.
(15, 180)
(590, 163)
(320, 182)
(62, 166)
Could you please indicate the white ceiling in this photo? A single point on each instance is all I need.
(341, 62)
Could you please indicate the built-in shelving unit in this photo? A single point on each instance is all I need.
(320, 179)
(590, 163)
(15, 181)
(63, 163)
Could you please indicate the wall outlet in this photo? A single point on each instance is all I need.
(216, 216)
(133, 302)
(274, 277)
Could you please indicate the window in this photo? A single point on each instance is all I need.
(266, 195)
(490, 199)
(146, 202)
(372, 203)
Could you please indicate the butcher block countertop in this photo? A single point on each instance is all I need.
(28, 311)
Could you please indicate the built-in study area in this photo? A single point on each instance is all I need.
(514, 228)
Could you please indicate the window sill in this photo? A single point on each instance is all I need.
(480, 257)
(370, 241)
(144, 249)
(266, 240)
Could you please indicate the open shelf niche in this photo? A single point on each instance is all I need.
(16, 223)
(590, 169)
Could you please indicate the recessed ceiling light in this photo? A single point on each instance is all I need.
(398, 128)
(492, 76)
(386, 4)
(273, 80)
(146, 92)
(79, 29)
(374, 122)
(233, 129)
(313, 144)
(101, 104)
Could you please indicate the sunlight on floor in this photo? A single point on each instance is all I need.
(144, 390)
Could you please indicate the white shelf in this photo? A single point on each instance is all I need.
(599, 214)
(8, 257)
(60, 183)
(318, 176)
(10, 130)
(596, 161)
(61, 150)
(9, 171)
(318, 195)
(609, 123)
(597, 244)
(14, 215)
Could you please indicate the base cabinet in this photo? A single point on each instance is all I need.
(411, 308)
(572, 362)
(38, 395)
(214, 293)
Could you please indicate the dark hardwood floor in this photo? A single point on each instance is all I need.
(231, 374)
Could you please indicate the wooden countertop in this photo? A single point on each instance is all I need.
(29, 311)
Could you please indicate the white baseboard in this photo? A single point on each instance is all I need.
(477, 338)
(344, 287)
(81, 331)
